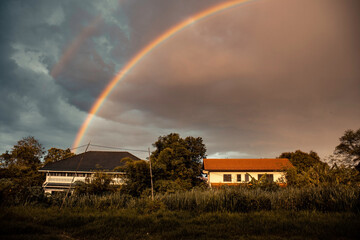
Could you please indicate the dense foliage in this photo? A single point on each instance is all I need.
(349, 147)
(19, 176)
(136, 177)
(309, 170)
(177, 162)
(20, 180)
(56, 154)
(100, 183)
(302, 161)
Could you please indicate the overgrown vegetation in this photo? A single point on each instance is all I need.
(177, 163)
(318, 197)
(229, 199)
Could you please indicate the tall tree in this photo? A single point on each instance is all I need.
(136, 176)
(177, 162)
(57, 154)
(302, 161)
(27, 153)
(349, 146)
(20, 169)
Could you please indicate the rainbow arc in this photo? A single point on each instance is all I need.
(137, 58)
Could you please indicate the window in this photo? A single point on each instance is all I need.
(227, 177)
(269, 177)
(238, 177)
(247, 177)
(61, 174)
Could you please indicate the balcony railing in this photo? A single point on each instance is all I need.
(64, 179)
(69, 179)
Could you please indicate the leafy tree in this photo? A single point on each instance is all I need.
(57, 154)
(19, 170)
(5, 160)
(321, 174)
(349, 146)
(26, 153)
(177, 162)
(311, 171)
(302, 161)
(136, 176)
(24, 160)
(338, 160)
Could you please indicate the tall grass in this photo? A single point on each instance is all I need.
(325, 198)
(244, 200)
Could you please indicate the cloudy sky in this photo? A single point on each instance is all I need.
(255, 80)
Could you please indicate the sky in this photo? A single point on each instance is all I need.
(255, 80)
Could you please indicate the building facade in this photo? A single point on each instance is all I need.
(236, 171)
(62, 175)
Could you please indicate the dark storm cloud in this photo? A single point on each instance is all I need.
(41, 36)
(260, 79)
(32, 39)
(256, 80)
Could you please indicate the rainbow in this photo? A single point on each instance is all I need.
(129, 65)
(75, 44)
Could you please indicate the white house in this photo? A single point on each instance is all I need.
(62, 175)
(236, 171)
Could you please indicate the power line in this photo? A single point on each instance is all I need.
(79, 147)
(119, 148)
(77, 168)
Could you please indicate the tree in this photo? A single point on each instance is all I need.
(302, 161)
(57, 154)
(5, 160)
(177, 162)
(311, 171)
(26, 153)
(349, 146)
(20, 169)
(136, 176)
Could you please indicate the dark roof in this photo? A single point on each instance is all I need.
(92, 160)
(246, 164)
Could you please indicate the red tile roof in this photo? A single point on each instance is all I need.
(246, 164)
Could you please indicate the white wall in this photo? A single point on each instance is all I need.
(218, 177)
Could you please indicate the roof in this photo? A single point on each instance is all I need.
(247, 164)
(92, 160)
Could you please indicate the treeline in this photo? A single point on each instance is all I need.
(177, 168)
(20, 180)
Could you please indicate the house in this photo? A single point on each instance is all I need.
(236, 171)
(61, 175)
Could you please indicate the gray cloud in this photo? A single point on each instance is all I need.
(258, 80)
(43, 36)
(254, 80)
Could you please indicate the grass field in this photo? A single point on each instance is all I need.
(28, 222)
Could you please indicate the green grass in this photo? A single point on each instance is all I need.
(91, 223)
(326, 198)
